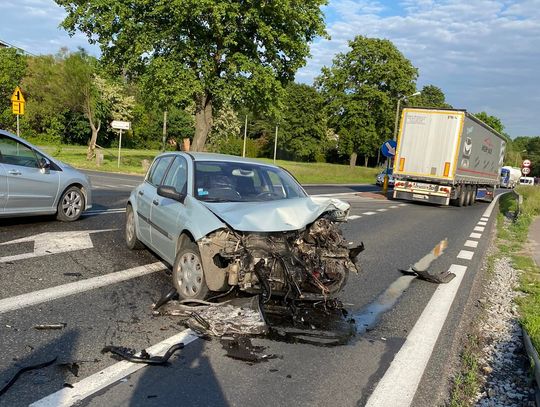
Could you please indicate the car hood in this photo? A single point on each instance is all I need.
(274, 216)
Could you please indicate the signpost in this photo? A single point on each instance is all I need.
(120, 125)
(388, 149)
(17, 104)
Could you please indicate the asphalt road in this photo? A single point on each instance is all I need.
(395, 234)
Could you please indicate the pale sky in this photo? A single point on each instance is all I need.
(484, 54)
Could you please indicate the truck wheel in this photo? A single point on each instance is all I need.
(188, 273)
(462, 196)
(473, 195)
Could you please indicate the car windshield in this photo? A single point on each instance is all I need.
(222, 181)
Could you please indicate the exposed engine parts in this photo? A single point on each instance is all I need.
(309, 263)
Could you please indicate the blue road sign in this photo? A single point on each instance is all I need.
(388, 148)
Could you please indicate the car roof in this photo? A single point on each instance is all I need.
(199, 156)
(9, 134)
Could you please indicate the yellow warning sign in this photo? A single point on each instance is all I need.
(17, 95)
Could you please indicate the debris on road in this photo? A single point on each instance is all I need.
(50, 326)
(143, 356)
(421, 267)
(237, 316)
(241, 348)
(25, 369)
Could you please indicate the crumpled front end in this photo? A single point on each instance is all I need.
(310, 263)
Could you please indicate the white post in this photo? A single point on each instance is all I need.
(275, 145)
(119, 147)
(245, 137)
(18, 126)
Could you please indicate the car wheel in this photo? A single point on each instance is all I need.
(188, 274)
(462, 196)
(132, 241)
(71, 205)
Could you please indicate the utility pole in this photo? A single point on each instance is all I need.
(275, 145)
(245, 138)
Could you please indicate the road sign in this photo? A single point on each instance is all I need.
(388, 148)
(120, 125)
(17, 95)
(17, 108)
(526, 163)
(526, 170)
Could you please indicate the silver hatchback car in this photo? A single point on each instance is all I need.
(225, 222)
(32, 183)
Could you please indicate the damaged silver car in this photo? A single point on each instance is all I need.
(224, 222)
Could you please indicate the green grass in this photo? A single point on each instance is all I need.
(511, 239)
(467, 381)
(306, 173)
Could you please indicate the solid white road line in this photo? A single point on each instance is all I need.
(471, 243)
(400, 382)
(369, 213)
(53, 293)
(482, 223)
(398, 385)
(479, 228)
(475, 235)
(98, 381)
(465, 254)
(353, 217)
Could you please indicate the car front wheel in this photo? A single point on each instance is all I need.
(71, 205)
(188, 274)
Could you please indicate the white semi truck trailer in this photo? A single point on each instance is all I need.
(446, 157)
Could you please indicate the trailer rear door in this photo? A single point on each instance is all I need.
(428, 143)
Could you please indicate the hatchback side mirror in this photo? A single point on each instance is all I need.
(171, 193)
(44, 164)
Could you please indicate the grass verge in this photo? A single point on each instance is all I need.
(511, 240)
(131, 162)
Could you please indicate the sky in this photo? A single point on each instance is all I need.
(483, 54)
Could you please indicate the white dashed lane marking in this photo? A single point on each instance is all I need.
(382, 210)
(465, 254)
(369, 213)
(482, 223)
(353, 217)
(471, 243)
(479, 228)
(475, 235)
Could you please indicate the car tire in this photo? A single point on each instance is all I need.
(462, 196)
(71, 205)
(132, 242)
(188, 274)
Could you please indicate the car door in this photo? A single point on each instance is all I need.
(30, 188)
(166, 212)
(146, 194)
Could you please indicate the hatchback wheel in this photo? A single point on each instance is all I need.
(188, 274)
(71, 205)
(132, 241)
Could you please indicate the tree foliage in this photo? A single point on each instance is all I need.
(492, 121)
(430, 96)
(202, 51)
(361, 90)
(12, 70)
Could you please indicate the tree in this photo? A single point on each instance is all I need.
(202, 51)
(430, 96)
(12, 70)
(492, 121)
(303, 128)
(361, 91)
(98, 98)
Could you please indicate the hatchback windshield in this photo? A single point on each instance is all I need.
(221, 181)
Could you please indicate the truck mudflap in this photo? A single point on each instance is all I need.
(421, 196)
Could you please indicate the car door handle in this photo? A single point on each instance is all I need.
(155, 202)
(141, 193)
(14, 172)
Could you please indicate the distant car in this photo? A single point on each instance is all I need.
(526, 181)
(32, 183)
(224, 222)
(380, 177)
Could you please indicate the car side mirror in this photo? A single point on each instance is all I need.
(44, 164)
(171, 193)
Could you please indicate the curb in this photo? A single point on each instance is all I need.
(533, 354)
